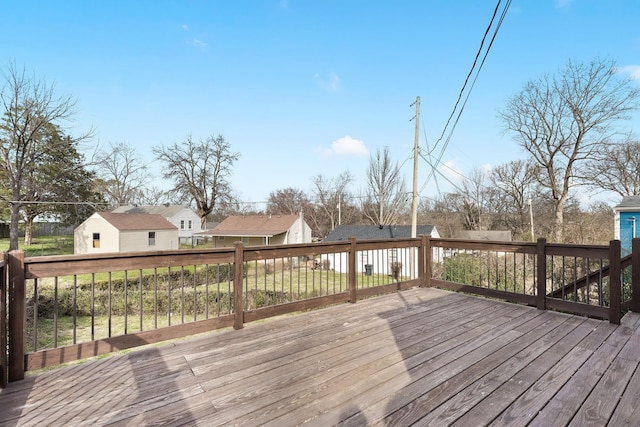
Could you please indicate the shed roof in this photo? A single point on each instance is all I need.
(166, 211)
(629, 202)
(253, 225)
(137, 221)
(375, 232)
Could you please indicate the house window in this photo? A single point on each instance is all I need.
(182, 224)
(152, 238)
(190, 225)
(96, 240)
(245, 240)
(221, 238)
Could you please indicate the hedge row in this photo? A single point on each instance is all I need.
(181, 300)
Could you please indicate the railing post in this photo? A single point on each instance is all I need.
(541, 274)
(635, 275)
(426, 261)
(17, 315)
(353, 296)
(3, 322)
(614, 282)
(238, 281)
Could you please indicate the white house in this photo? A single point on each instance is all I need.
(380, 261)
(185, 219)
(119, 232)
(260, 230)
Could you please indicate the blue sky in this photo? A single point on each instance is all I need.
(307, 87)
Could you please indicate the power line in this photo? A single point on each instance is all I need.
(437, 162)
(40, 202)
(473, 66)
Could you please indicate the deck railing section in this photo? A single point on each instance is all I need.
(82, 306)
(585, 279)
(63, 308)
(283, 279)
(500, 270)
(390, 265)
(3, 321)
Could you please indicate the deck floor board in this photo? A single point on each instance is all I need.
(417, 357)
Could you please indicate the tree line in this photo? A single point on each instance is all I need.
(567, 123)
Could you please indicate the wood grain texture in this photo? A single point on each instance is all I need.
(423, 356)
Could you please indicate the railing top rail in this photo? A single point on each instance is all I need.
(388, 243)
(299, 249)
(118, 255)
(61, 265)
(488, 245)
(584, 251)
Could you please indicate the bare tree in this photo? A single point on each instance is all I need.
(584, 226)
(331, 198)
(288, 201)
(513, 182)
(29, 106)
(386, 196)
(154, 196)
(441, 214)
(564, 120)
(122, 175)
(474, 202)
(617, 168)
(200, 171)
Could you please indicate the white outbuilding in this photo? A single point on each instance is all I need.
(106, 232)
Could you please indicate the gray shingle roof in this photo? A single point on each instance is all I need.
(166, 211)
(374, 232)
(253, 225)
(629, 202)
(137, 221)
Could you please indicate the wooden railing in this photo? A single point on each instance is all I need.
(589, 280)
(3, 322)
(64, 308)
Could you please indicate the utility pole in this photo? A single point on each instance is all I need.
(414, 198)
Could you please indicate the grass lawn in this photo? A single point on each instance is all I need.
(46, 245)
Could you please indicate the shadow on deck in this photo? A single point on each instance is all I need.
(423, 356)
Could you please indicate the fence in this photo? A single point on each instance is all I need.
(64, 308)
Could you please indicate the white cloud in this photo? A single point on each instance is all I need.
(345, 146)
(184, 27)
(331, 83)
(486, 168)
(632, 70)
(563, 3)
(452, 172)
(202, 45)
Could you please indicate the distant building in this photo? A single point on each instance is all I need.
(185, 219)
(492, 235)
(258, 230)
(379, 261)
(106, 232)
(626, 218)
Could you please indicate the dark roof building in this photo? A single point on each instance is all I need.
(376, 232)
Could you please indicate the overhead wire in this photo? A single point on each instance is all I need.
(437, 163)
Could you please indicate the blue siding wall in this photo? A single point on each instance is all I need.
(628, 221)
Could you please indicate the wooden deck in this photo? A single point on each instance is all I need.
(419, 357)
